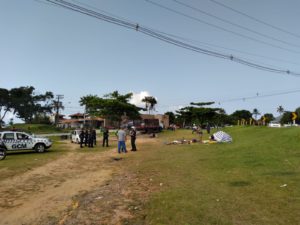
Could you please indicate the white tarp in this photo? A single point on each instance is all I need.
(221, 136)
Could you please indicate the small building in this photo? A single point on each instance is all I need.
(80, 120)
(163, 119)
(78, 116)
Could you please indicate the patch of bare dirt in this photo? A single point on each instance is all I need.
(75, 189)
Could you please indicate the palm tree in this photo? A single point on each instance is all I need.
(255, 113)
(280, 110)
(150, 102)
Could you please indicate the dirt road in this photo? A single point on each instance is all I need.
(52, 193)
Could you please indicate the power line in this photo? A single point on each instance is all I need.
(193, 41)
(255, 96)
(221, 28)
(259, 95)
(164, 38)
(255, 19)
(234, 24)
(231, 49)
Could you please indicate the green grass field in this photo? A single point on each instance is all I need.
(254, 180)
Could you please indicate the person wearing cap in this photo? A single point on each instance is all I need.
(133, 138)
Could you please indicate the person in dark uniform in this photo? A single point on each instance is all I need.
(105, 137)
(86, 137)
(91, 139)
(133, 138)
(94, 136)
(81, 136)
(208, 128)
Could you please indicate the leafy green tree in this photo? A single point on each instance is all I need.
(269, 117)
(112, 106)
(221, 118)
(286, 117)
(241, 114)
(171, 117)
(2, 124)
(280, 110)
(11, 122)
(255, 112)
(41, 118)
(183, 117)
(5, 104)
(197, 113)
(150, 103)
(26, 104)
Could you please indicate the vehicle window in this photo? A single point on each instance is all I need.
(21, 136)
(8, 136)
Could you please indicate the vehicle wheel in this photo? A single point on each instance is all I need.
(40, 148)
(77, 141)
(2, 154)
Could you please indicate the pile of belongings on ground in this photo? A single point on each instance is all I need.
(182, 141)
(218, 137)
(221, 137)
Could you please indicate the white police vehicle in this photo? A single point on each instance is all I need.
(15, 140)
(75, 136)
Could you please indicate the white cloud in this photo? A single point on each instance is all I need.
(136, 98)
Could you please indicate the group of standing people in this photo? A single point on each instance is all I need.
(88, 138)
(121, 135)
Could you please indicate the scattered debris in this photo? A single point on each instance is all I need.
(284, 185)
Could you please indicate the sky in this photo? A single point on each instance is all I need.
(68, 53)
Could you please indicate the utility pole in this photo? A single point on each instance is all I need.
(57, 106)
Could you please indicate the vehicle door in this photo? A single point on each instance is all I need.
(23, 141)
(73, 135)
(9, 140)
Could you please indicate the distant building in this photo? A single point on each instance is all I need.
(163, 119)
(80, 120)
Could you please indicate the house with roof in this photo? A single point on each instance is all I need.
(81, 120)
